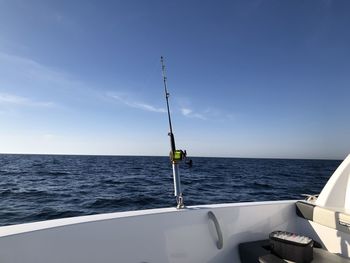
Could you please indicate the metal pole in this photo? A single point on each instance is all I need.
(175, 165)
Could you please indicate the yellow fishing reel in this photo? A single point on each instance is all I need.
(177, 155)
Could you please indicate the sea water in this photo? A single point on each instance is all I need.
(41, 187)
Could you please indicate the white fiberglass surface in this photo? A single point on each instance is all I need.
(333, 240)
(161, 235)
(336, 193)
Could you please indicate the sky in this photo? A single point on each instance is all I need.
(249, 78)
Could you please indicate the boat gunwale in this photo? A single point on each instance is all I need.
(62, 222)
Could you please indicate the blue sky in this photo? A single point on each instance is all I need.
(247, 78)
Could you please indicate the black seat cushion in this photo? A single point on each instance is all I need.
(251, 251)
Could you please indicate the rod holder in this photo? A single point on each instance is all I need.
(177, 186)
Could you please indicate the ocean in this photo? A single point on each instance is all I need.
(42, 187)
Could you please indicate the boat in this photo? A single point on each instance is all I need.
(205, 233)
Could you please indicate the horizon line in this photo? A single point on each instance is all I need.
(194, 156)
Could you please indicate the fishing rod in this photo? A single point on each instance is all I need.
(176, 156)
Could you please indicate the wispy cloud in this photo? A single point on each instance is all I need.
(35, 72)
(185, 111)
(209, 113)
(190, 114)
(20, 75)
(136, 104)
(9, 99)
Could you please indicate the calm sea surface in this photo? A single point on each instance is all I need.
(41, 187)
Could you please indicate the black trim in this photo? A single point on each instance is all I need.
(305, 210)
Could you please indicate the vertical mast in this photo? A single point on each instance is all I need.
(175, 155)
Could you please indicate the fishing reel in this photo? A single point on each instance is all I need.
(178, 155)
